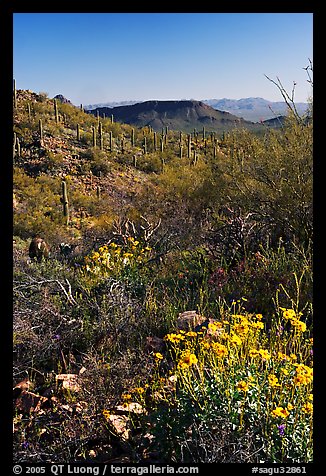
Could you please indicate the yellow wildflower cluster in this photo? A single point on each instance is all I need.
(219, 349)
(304, 375)
(114, 257)
(263, 353)
(174, 338)
(256, 373)
(187, 359)
(294, 319)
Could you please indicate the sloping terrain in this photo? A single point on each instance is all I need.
(176, 115)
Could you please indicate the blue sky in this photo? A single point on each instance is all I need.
(101, 57)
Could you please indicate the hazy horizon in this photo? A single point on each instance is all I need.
(93, 58)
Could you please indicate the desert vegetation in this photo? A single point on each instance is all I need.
(177, 325)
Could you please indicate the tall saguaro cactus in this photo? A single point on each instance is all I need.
(94, 136)
(65, 201)
(56, 111)
(18, 147)
(40, 128)
(78, 132)
(14, 145)
(100, 135)
(132, 137)
(188, 146)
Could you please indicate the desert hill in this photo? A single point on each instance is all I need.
(176, 115)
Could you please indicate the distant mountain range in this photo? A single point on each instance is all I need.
(250, 109)
(254, 109)
(176, 115)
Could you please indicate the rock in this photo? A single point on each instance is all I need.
(29, 402)
(189, 320)
(130, 407)
(120, 424)
(155, 344)
(21, 387)
(62, 99)
(69, 382)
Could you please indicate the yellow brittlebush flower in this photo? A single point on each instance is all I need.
(308, 407)
(264, 354)
(242, 386)
(280, 412)
(273, 381)
(187, 359)
(234, 339)
(219, 349)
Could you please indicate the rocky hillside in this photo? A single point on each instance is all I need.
(176, 115)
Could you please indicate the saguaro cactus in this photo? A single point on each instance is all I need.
(110, 141)
(100, 135)
(15, 140)
(18, 147)
(155, 140)
(132, 137)
(94, 136)
(15, 144)
(65, 202)
(195, 157)
(78, 132)
(188, 146)
(40, 128)
(56, 111)
(145, 146)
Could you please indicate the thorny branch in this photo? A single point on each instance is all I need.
(68, 293)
